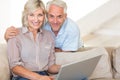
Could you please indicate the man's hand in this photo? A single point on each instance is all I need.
(10, 33)
(58, 50)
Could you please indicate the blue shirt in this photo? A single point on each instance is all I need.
(68, 38)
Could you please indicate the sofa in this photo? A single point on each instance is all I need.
(103, 71)
(4, 68)
(108, 36)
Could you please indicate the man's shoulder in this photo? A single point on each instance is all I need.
(69, 20)
(71, 25)
(47, 26)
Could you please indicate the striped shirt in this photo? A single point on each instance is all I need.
(34, 55)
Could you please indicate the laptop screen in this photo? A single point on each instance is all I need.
(78, 70)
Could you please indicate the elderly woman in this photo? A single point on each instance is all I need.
(31, 53)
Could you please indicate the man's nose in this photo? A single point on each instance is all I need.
(55, 20)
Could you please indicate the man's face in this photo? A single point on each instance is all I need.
(56, 17)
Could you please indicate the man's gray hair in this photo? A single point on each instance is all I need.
(59, 3)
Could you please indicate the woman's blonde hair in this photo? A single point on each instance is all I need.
(30, 6)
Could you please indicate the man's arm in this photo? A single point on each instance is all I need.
(58, 50)
(10, 33)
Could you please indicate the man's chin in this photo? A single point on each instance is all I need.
(54, 29)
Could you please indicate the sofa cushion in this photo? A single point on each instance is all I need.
(4, 68)
(103, 68)
(116, 62)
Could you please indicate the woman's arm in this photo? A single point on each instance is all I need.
(54, 68)
(23, 72)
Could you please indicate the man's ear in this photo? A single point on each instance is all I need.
(65, 15)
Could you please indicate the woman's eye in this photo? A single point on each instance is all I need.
(31, 15)
(40, 15)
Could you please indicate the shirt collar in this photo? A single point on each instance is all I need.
(25, 30)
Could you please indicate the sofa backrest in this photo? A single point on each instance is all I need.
(4, 67)
(103, 68)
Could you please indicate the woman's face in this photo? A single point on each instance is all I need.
(36, 19)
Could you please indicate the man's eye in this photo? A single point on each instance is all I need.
(60, 16)
(51, 16)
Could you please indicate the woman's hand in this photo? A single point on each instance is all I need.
(46, 78)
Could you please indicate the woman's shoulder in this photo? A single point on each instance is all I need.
(46, 32)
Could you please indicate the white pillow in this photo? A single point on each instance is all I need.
(103, 68)
(4, 68)
(116, 62)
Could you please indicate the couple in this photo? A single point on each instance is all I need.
(31, 52)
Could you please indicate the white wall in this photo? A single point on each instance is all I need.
(4, 17)
(11, 10)
(95, 19)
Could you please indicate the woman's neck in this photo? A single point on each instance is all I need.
(34, 31)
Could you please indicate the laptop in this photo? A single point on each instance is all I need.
(78, 70)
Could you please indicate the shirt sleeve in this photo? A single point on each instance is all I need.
(52, 58)
(13, 51)
(52, 52)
